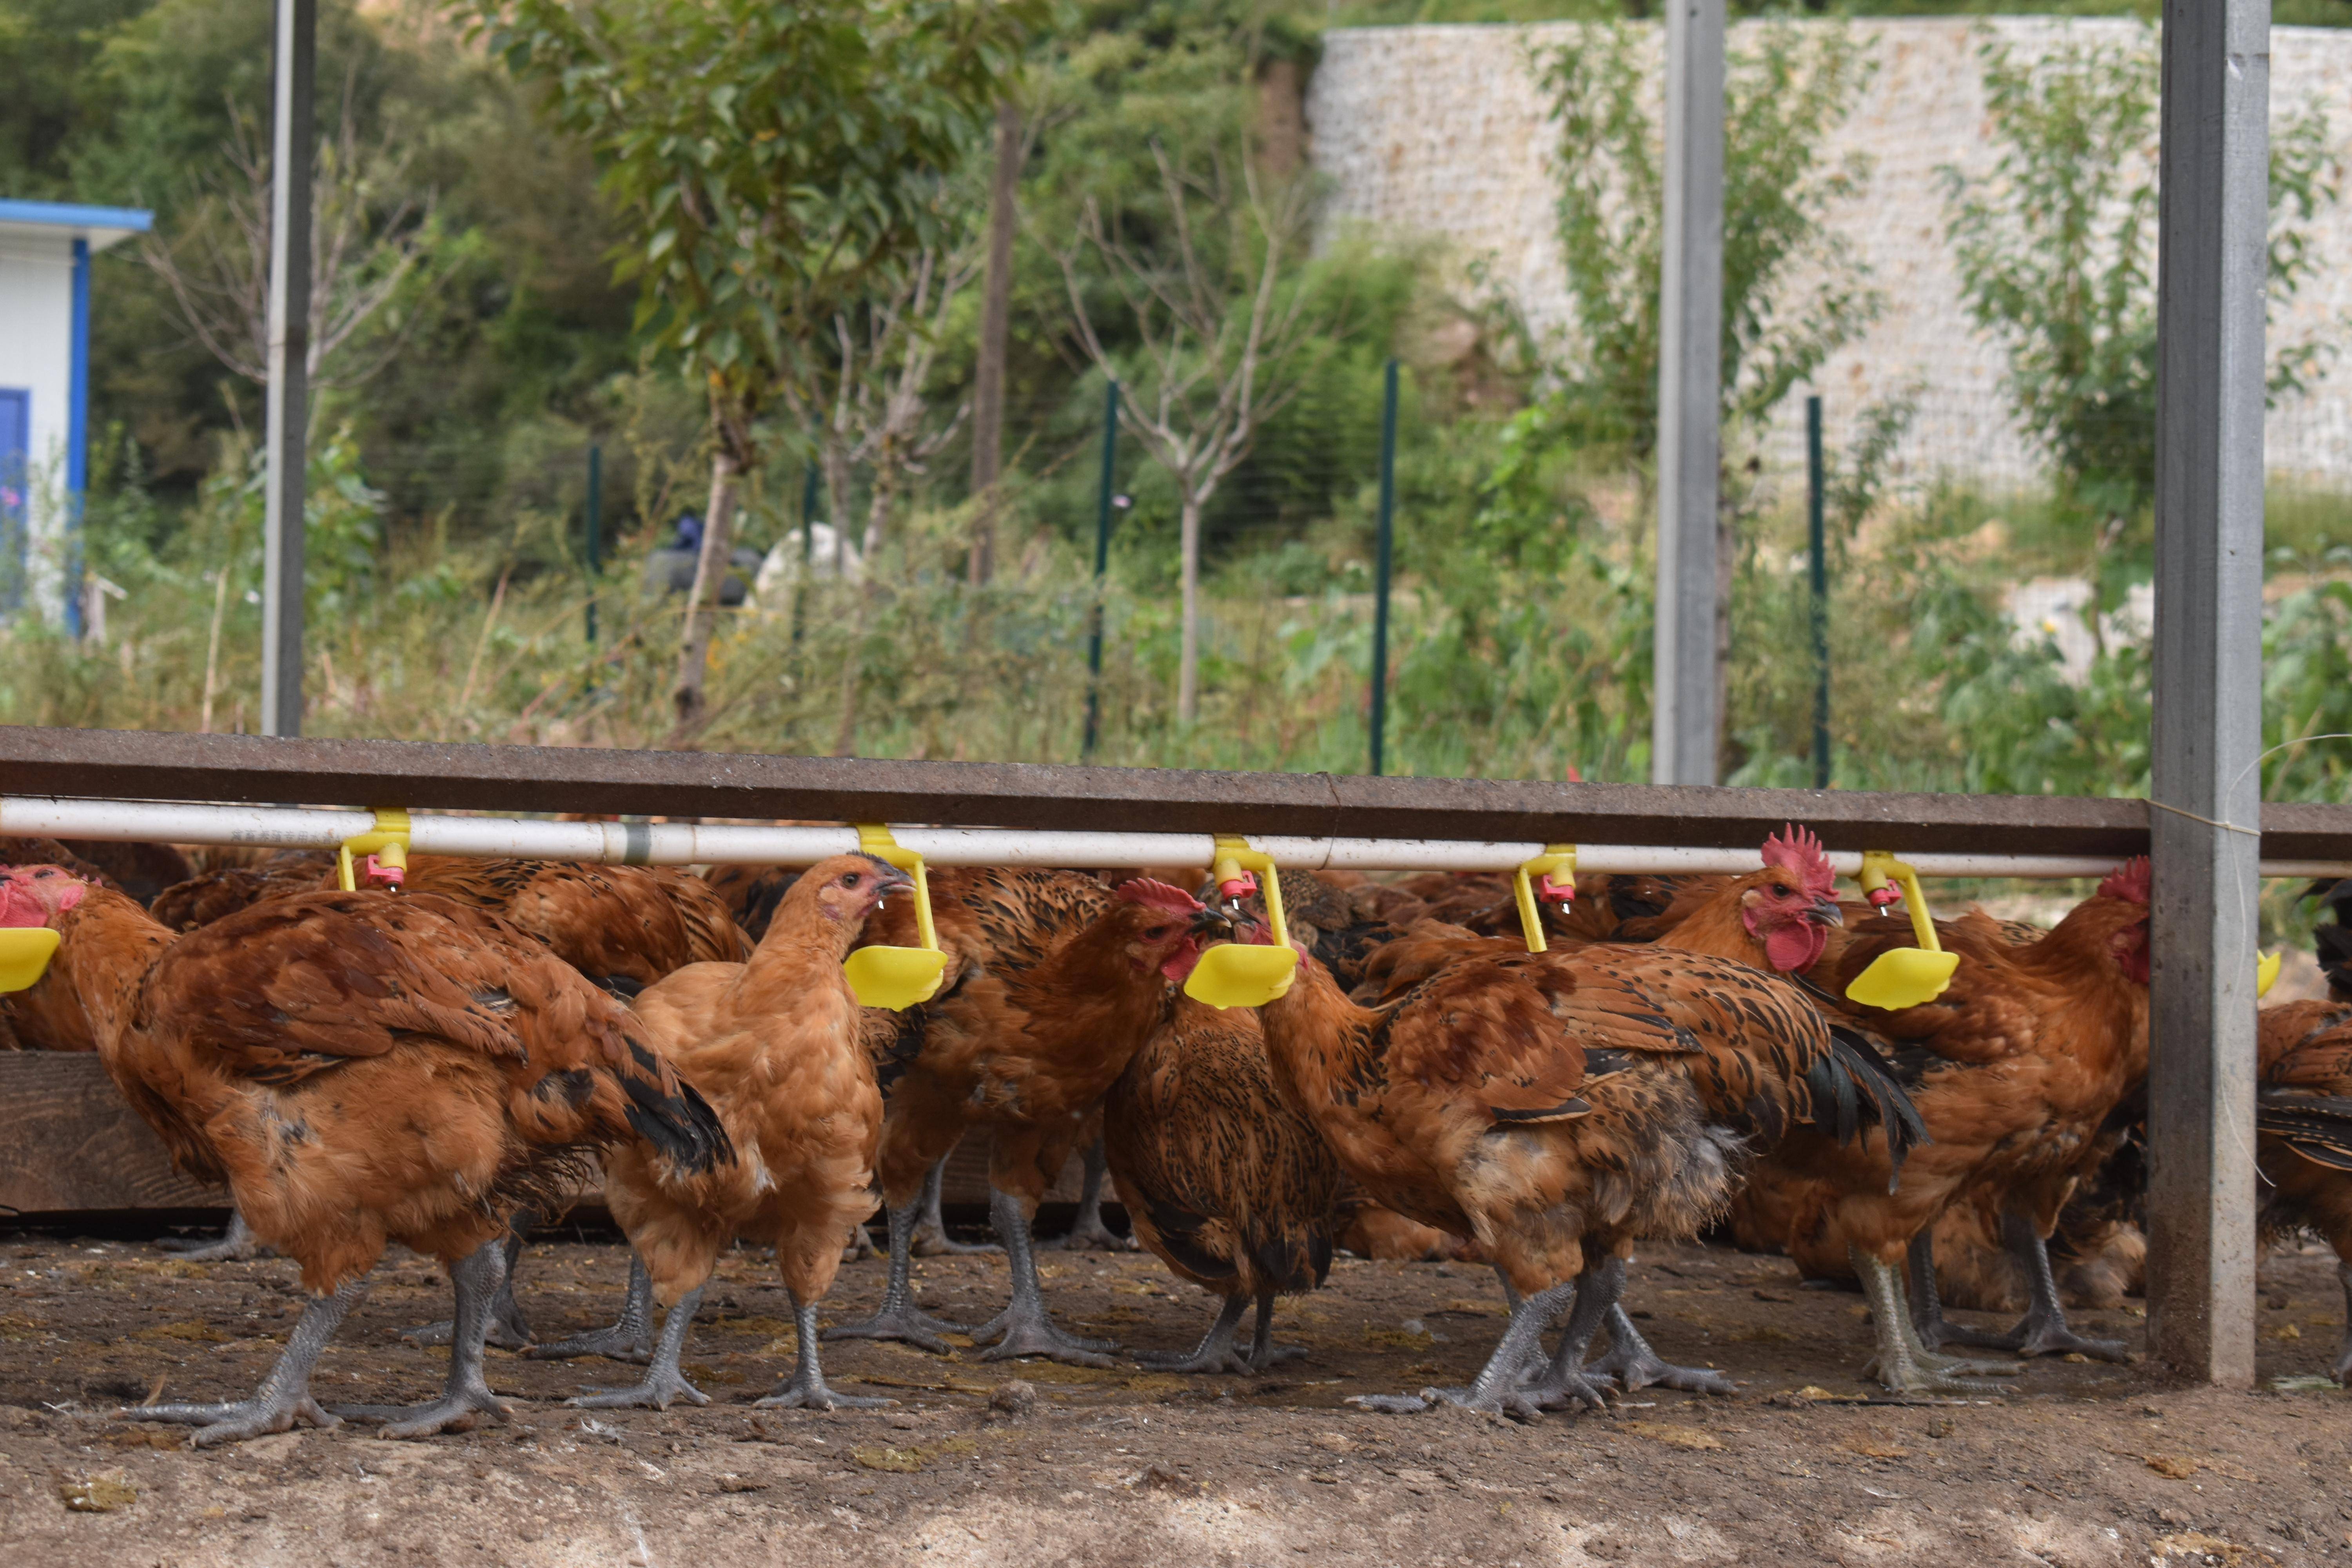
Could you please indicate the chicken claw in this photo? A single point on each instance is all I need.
(1632, 1364)
(1023, 1329)
(481, 1279)
(898, 1318)
(663, 1381)
(237, 1244)
(630, 1338)
(284, 1398)
(1496, 1389)
(931, 1239)
(1903, 1365)
(807, 1389)
(1215, 1352)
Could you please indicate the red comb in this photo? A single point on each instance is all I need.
(1795, 848)
(2132, 880)
(18, 908)
(1144, 890)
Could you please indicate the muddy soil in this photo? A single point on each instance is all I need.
(2084, 1464)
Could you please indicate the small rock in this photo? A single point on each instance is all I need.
(1015, 1397)
(734, 1483)
(1159, 1477)
(904, 1422)
(1941, 1426)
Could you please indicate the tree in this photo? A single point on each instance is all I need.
(2056, 250)
(775, 160)
(1186, 271)
(372, 238)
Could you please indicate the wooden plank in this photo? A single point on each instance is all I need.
(78, 1146)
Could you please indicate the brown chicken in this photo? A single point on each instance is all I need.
(1556, 1107)
(1056, 983)
(359, 1068)
(2014, 1069)
(2303, 1116)
(221, 892)
(774, 1042)
(1230, 1187)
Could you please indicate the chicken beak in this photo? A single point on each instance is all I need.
(1826, 911)
(1213, 923)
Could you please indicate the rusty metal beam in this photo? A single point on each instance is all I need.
(123, 765)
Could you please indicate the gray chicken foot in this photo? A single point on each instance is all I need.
(1631, 1362)
(931, 1239)
(631, 1338)
(1087, 1233)
(1496, 1388)
(465, 1398)
(663, 1380)
(284, 1397)
(1903, 1364)
(899, 1319)
(237, 1244)
(1264, 1354)
(1568, 1381)
(2042, 1330)
(1024, 1328)
(1215, 1352)
(806, 1389)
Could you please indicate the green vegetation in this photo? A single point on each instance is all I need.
(602, 248)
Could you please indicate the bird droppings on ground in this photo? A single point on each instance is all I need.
(1032, 1463)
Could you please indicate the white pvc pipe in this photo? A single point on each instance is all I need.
(690, 844)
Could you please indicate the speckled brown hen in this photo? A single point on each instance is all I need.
(1229, 1187)
(361, 1069)
(1056, 982)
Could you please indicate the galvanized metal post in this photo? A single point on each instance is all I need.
(1381, 568)
(1687, 700)
(1102, 570)
(2212, 267)
(595, 510)
(1818, 571)
(286, 411)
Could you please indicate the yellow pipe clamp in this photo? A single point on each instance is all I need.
(1560, 888)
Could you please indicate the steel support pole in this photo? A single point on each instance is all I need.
(1102, 571)
(808, 552)
(2211, 280)
(1687, 696)
(1384, 553)
(1818, 574)
(286, 416)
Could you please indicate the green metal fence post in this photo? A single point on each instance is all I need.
(808, 548)
(1102, 570)
(1381, 571)
(595, 510)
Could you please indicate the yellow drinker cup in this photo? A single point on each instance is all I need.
(898, 977)
(1245, 974)
(1906, 977)
(24, 953)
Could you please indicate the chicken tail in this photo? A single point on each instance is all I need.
(670, 1113)
(2316, 1126)
(1862, 1087)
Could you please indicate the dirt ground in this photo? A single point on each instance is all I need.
(2085, 1464)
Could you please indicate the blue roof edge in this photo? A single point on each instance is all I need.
(72, 215)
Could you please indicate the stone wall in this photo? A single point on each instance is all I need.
(1442, 132)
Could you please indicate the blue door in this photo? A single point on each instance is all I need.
(15, 444)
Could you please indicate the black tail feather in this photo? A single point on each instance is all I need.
(681, 1125)
(1859, 1069)
(2316, 1126)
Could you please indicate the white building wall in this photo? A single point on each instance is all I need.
(37, 353)
(1442, 131)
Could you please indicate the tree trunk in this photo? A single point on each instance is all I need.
(995, 335)
(1188, 658)
(701, 605)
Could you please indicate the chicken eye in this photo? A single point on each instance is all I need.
(1155, 933)
(850, 880)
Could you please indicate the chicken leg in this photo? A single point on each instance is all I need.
(2344, 1350)
(236, 1245)
(1264, 1353)
(1903, 1363)
(510, 1329)
(898, 1318)
(284, 1397)
(931, 1239)
(630, 1338)
(1087, 1233)
(1568, 1381)
(1496, 1386)
(1023, 1328)
(1215, 1352)
(1632, 1364)
(806, 1389)
(663, 1380)
(479, 1279)
(2042, 1330)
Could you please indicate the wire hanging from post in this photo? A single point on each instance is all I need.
(1102, 568)
(1381, 568)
